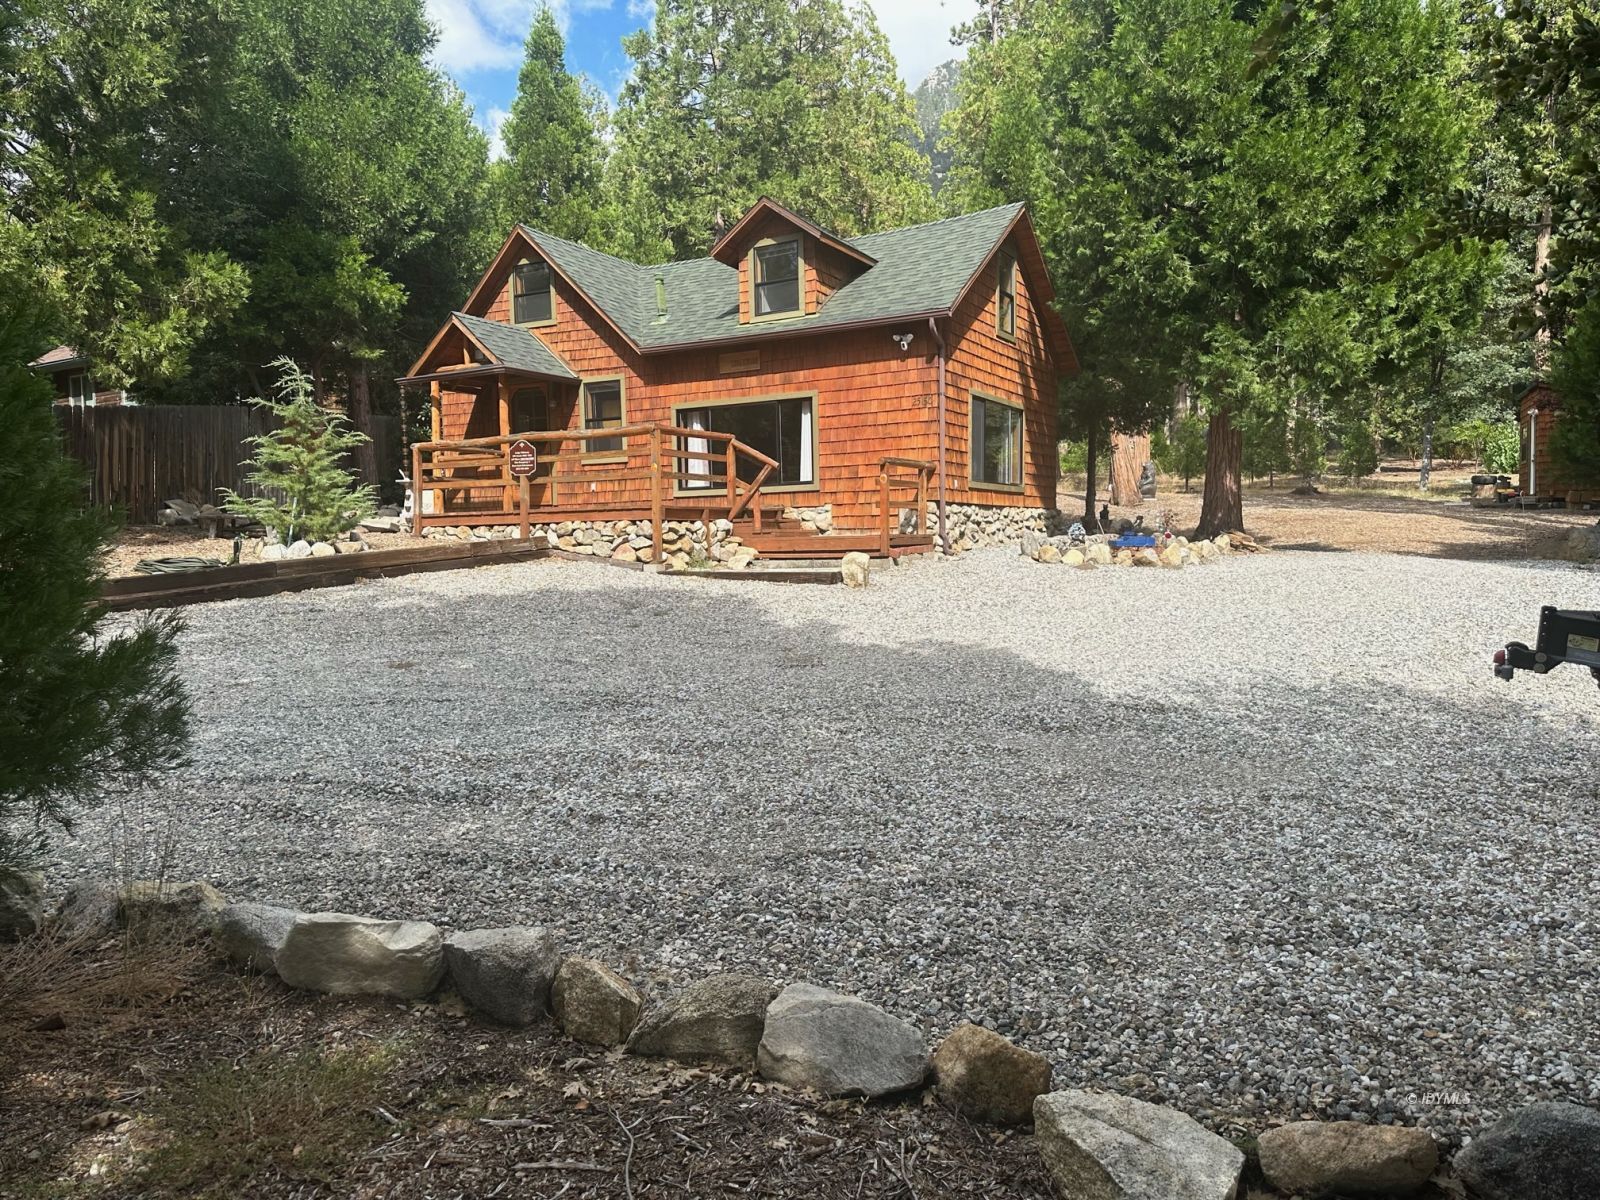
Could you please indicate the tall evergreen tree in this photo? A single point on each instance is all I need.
(550, 176)
(1248, 178)
(798, 99)
(85, 710)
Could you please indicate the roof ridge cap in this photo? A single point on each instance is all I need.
(977, 212)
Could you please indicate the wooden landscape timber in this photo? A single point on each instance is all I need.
(301, 574)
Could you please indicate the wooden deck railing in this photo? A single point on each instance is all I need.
(636, 469)
(888, 484)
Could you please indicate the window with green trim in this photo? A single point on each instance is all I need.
(532, 301)
(775, 276)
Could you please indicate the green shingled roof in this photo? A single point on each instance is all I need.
(920, 271)
(515, 347)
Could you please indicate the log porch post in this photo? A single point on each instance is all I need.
(657, 500)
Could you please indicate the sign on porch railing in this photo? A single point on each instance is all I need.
(524, 458)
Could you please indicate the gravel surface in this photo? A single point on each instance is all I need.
(1260, 838)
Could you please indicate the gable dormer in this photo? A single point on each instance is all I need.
(788, 267)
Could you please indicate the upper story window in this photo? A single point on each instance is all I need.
(532, 302)
(1006, 306)
(79, 392)
(775, 279)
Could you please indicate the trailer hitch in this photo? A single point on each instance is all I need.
(1566, 635)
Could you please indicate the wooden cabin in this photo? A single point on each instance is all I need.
(1541, 477)
(791, 369)
(72, 376)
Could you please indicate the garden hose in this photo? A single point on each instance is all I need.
(174, 566)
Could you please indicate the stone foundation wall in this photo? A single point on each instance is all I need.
(683, 543)
(972, 526)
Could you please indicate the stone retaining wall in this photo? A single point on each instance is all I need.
(683, 543)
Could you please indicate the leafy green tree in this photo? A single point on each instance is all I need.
(796, 99)
(302, 487)
(99, 109)
(550, 176)
(1234, 182)
(344, 173)
(86, 710)
(1264, 444)
(1575, 438)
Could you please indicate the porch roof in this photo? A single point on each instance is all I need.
(507, 349)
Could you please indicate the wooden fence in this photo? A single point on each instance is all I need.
(139, 457)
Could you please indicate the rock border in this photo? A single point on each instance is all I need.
(810, 1038)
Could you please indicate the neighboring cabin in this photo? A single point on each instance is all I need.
(825, 354)
(72, 377)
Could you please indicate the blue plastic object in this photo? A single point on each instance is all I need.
(1133, 541)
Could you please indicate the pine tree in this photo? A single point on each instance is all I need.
(85, 710)
(304, 491)
(796, 99)
(550, 176)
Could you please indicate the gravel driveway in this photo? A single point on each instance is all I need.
(1259, 838)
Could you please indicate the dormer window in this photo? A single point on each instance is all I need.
(775, 279)
(532, 302)
(1006, 303)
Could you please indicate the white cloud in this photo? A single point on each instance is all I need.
(919, 32)
(487, 35)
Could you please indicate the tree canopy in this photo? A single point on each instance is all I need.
(799, 99)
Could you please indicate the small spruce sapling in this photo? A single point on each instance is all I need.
(303, 489)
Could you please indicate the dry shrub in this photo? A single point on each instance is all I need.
(293, 1117)
(88, 978)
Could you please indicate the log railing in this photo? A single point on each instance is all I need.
(890, 483)
(625, 470)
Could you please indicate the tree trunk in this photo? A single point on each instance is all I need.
(1222, 501)
(1541, 262)
(1091, 484)
(1129, 453)
(1427, 454)
(366, 454)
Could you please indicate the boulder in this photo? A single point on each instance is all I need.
(184, 509)
(322, 550)
(1048, 554)
(593, 1003)
(1074, 558)
(856, 568)
(88, 910)
(382, 524)
(191, 906)
(719, 1019)
(838, 1045)
(354, 546)
(274, 551)
(1172, 556)
(824, 521)
(300, 549)
(1098, 553)
(625, 554)
(1146, 557)
(1347, 1158)
(984, 1076)
(1031, 542)
(360, 956)
(1546, 1151)
(504, 973)
(21, 903)
(252, 934)
(1222, 542)
(1103, 1147)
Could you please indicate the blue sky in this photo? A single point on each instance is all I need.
(480, 42)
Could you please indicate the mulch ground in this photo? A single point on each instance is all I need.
(154, 1071)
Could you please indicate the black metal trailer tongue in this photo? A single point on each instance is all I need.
(1566, 635)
